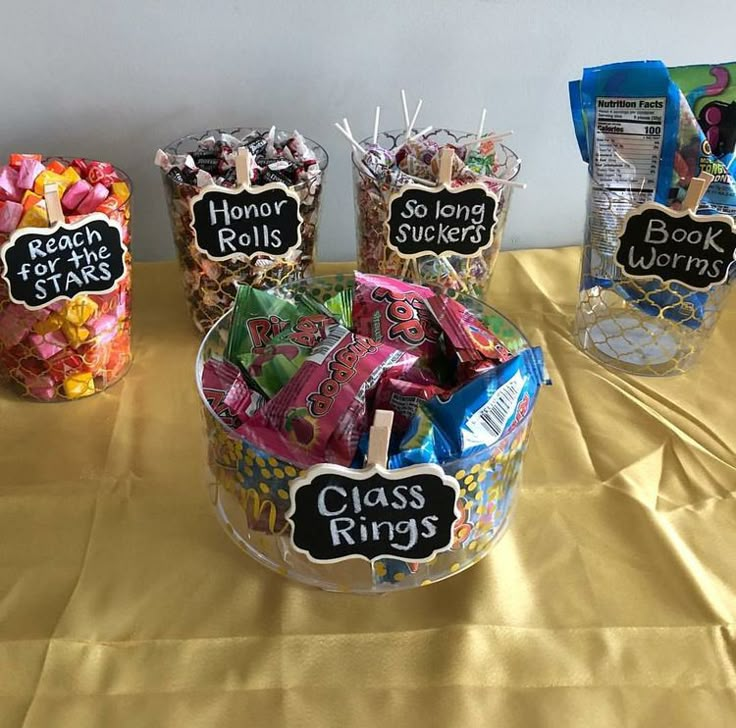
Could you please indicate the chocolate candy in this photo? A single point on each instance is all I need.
(210, 286)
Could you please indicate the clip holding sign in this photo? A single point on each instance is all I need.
(246, 221)
(340, 513)
(693, 250)
(443, 220)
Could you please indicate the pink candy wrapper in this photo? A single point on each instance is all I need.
(396, 313)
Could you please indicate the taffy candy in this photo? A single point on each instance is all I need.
(68, 349)
(396, 313)
(394, 162)
(192, 163)
(657, 163)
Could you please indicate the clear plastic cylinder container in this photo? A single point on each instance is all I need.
(372, 197)
(643, 326)
(70, 349)
(210, 285)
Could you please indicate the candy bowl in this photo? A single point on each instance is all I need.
(200, 162)
(65, 276)
(378, 179)
(259, 495)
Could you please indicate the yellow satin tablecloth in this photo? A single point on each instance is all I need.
(610, 601)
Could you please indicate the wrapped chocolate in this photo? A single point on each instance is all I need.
(195, 162)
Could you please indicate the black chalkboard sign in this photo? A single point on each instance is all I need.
(658, 242)
(441, 221)
(246, 221)
(339, 513)
(43, 265)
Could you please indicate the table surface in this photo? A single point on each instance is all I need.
(610, 601)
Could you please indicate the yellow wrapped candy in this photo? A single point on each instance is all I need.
(53, 323)
(48, 177)
(79, 309)
(71, 176)
(79, 385)
(35, 216)
(121, 190)
(75, 335)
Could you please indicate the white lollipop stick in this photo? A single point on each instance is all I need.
(414, 118)
(349, 137)
(487, 138)
(482, 124)
(406, 110)
(424, 131)
(507, 182)
(375, 124)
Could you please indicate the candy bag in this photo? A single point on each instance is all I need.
(227, 393)
(272, 365)
(257, 317)
(478, 413)
(403, 398)
(467, 336)
(642, 143)
(396, 312)
(300, 420)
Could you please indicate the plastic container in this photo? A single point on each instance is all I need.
(210, 285)
(372, 207)
(641, 326)
(74, 348)
(249, 487)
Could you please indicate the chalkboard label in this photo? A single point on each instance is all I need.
(694, 250)
(339, 513)
(43, 265)
(246, 221)
(441, 221)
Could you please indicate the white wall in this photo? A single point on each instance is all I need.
(117, 80)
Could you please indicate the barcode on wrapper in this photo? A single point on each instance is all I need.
(487, 424)
(322, 350)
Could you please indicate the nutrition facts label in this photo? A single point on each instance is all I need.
(628, 146)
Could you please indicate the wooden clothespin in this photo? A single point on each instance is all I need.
(379, 437)
(445, 174)
(243, 167)
(696, 190)
(53, 203)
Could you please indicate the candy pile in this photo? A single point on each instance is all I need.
(300, 387)
(193, 163)
(69, 348)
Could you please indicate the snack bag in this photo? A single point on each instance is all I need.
(642, 143)
(309, 411)
(477, 414)
(225, 389)
(396, 312)
(466, 335)
(270, 338)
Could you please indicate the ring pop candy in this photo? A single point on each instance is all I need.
(196, 162)
(65, 309)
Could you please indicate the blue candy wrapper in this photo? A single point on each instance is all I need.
(476, 415)
(642, 142)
